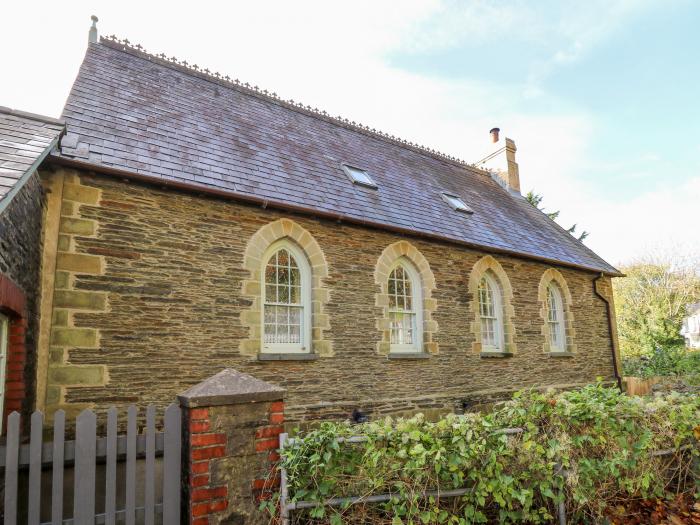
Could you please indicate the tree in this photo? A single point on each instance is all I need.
(651, 303)
(535, 199)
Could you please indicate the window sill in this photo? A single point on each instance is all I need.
(561, 354)
(497, 355)
(286, 357)
(408, 355)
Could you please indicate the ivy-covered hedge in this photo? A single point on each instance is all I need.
(604, 440)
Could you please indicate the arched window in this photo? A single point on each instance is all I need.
(556, 314)
(405, 308)
(491, 314)
(555, 318)
(286, 300)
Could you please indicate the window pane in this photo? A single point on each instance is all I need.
(294, 275)
(554, 335)
(402, 308)
(282, 258)
(552, 304)
(408, 294)
(555, 318)
(283, 275)
(271, 272)
(400, 288)
(295, 325)
(283, 287)
(284, 326)
(490, 314)
(270, 324)
(488, 335)
(402, 328)
(283, 294)
(456, 203)
(486, 299)
(359, 175)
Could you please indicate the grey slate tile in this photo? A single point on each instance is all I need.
(135, 112)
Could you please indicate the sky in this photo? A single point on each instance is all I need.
(600, 97)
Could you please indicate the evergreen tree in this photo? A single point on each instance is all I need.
(536, 199)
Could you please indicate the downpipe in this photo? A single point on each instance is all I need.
(613, 344)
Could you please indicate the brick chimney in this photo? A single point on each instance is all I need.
(501, 162)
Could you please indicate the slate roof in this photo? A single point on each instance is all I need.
(25, 139)
(161, 119)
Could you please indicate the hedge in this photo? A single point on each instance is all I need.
(603, 440)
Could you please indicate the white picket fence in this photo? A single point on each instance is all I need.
(100, 466)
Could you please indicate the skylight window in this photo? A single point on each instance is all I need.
(359, 176)
(456, 203)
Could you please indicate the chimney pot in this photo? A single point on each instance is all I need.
(501, 163)
(92, 35)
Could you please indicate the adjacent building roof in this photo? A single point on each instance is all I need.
(25, 140)
(168, 121)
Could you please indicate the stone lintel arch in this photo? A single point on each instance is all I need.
(390, 255)
(252, 286)
(484, 265)
(554, 275)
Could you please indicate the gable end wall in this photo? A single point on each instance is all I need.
(20, 260)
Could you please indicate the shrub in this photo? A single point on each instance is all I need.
(670, 361)
(651, 302)
(601, 438)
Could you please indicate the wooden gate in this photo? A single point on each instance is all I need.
(114, 477)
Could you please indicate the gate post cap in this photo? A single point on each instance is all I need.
(230, 387)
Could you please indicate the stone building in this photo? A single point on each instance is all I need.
(25, 141)
(193, 223)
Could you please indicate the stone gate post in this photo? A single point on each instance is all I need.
(231, 426)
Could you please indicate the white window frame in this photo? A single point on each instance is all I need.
(368, 183)
(4, 343)
(499, 329)
(554, 292)
(456, 202)
(304, 346)
(417, 301)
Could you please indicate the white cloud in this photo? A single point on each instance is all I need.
(665, 220)
(575, 32)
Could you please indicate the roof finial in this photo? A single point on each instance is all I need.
(92, 36)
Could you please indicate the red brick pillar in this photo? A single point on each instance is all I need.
(15, 388)
(267, 443)
(13, 305)
(232, 426)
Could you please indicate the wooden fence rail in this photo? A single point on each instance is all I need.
(83, 455)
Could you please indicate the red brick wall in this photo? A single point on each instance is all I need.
(204, 498)
(267, 442)
(20, 261)
(13, 304)
(231, 455)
